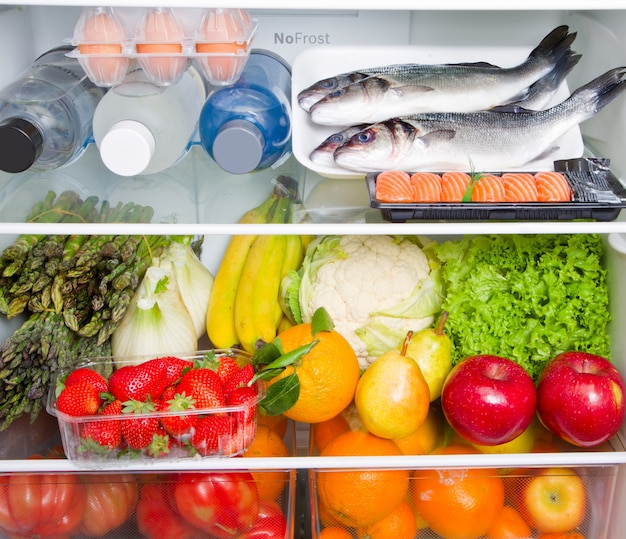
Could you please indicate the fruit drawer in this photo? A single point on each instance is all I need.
(468, 503)
(186, 504)
(435, 484)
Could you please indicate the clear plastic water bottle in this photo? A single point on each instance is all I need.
(46, 114)
(141, 128)
(247, 126)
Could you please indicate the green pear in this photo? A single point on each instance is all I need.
(431, 349)
(392, 396)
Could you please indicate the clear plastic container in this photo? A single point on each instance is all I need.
(46, 114)
(160, 45)
(74, 429)
(100, 35)
(142, 128)
(247, 126)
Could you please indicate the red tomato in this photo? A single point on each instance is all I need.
(269, 524)
(111, 499)
(157, 520)
(222, 504)
(33, 505)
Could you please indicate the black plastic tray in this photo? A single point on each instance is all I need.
(596, 194)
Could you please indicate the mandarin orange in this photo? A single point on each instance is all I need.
(458, 503)
(328, 373)
(360, 497)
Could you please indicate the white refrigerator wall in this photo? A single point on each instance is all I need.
(26, 32)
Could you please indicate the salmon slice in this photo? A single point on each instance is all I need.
(552, 187)
(394, 186)
(453, 186)
(519, 187)
(426, 187)
(488, 188)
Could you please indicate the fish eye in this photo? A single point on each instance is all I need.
(336, 137)
(328, 83)
(336, 93)
(365, 136)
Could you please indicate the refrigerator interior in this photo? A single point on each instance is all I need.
(196, 197)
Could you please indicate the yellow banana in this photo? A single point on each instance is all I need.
(257, 294)
(221, 308)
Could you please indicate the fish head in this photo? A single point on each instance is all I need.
(341, 106)
(378, 146)
(323, 154)
(311, 95)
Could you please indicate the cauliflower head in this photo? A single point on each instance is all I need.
(375, 288)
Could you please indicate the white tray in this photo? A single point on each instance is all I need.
(321, 62)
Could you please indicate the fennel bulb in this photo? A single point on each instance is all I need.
(157, 321)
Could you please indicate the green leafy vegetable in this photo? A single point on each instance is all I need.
(525, 297)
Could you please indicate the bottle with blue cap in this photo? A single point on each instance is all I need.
(247, 126)
(46, 114)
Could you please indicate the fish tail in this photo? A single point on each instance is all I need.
(554, 45)
(601, 91)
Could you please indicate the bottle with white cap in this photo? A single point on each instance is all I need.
(46, 114)
(141, 128)
(247, 126)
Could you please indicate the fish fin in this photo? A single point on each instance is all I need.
(441, 135)
(475, 64)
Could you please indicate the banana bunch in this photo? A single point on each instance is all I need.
(243, 306)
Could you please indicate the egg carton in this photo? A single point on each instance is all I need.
(164, 41)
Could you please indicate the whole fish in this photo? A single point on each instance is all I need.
(483, 141)
(538, 96)
(372, 95)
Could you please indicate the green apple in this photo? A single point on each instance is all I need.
(431, 349)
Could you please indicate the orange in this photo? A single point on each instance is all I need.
(509, 525)
(360, 497)
(572, 534)
(268, 443)
(278, 423)
(426, 438)
(458, 503)
(326, 431)
(335, 532)
(328, 373)
(399, 524)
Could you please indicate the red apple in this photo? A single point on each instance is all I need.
(580, 398)
(553, 500)
(488, 400)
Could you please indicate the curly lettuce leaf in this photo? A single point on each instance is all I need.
(527, 298)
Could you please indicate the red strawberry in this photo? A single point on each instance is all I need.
(105, 434)
(239, 379)
(212, 433)
(139, 382)
(139, 431)
(243, 397)
(89, 375)
(203, 386)
(224, 366)
(161, 444)
(174, 367)
(78, 399)
(178, 425)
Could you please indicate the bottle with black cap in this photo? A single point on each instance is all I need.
(247, 126)
(46, 114)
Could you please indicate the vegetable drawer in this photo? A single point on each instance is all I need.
(123, 505)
